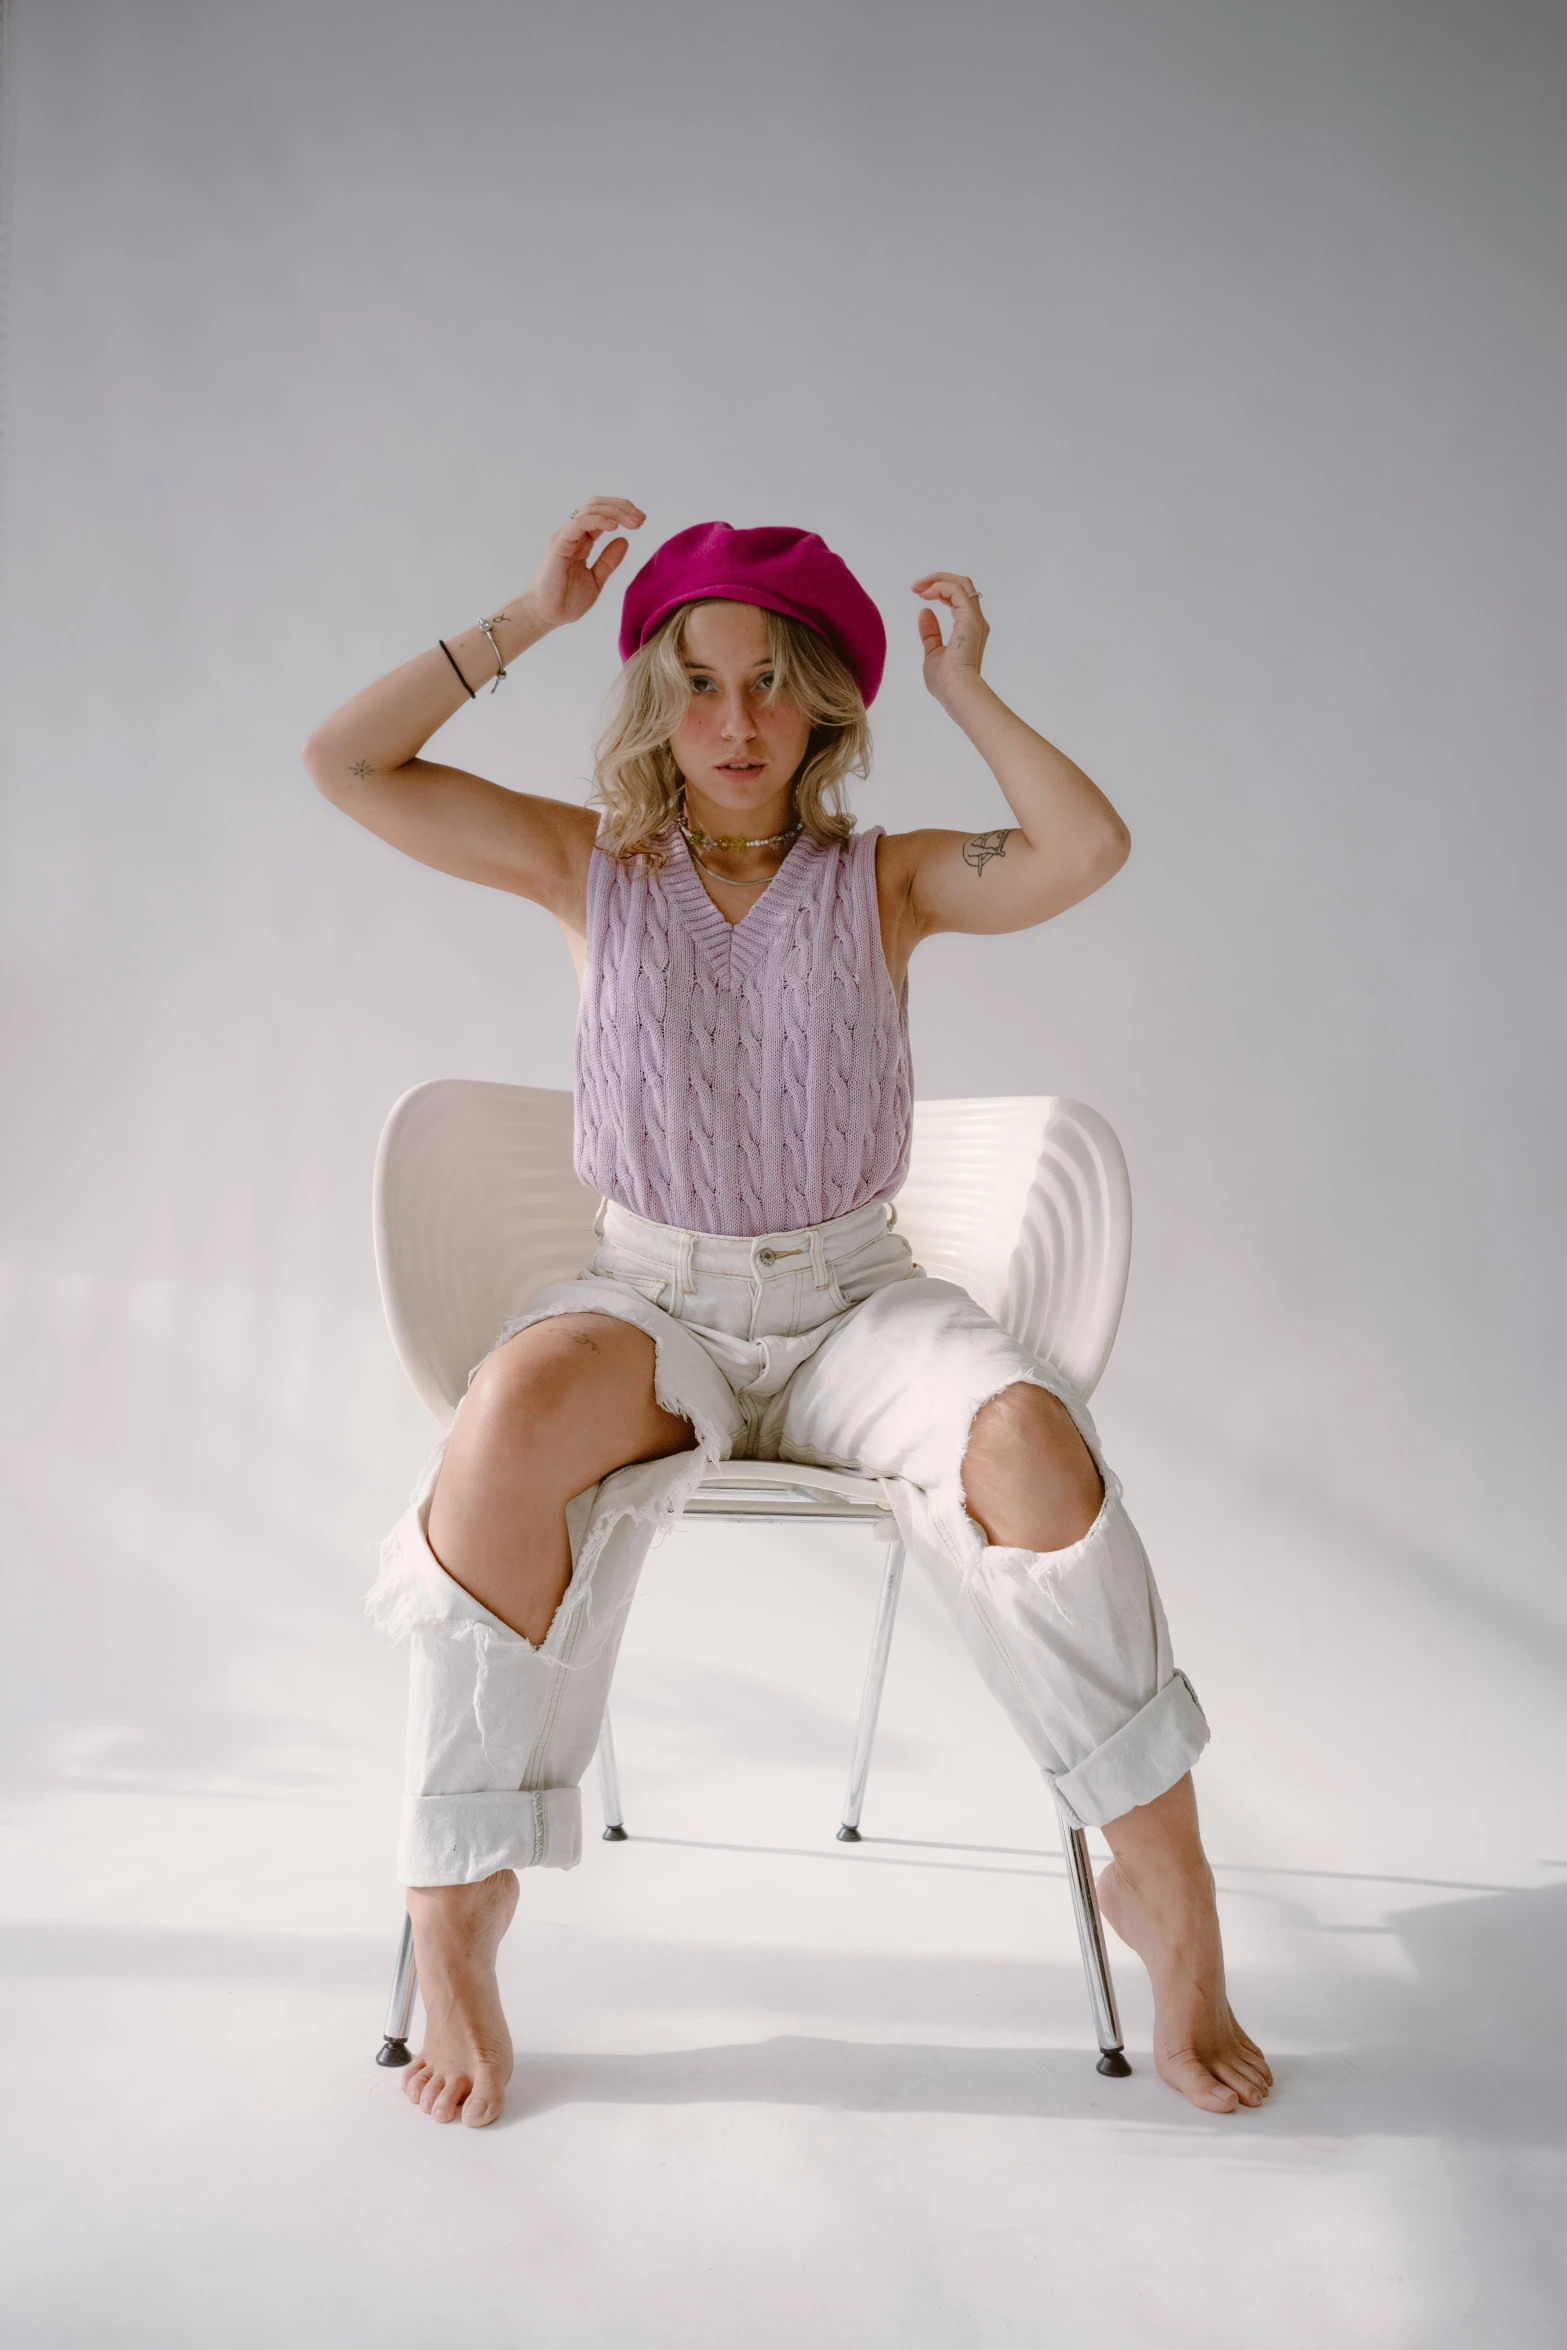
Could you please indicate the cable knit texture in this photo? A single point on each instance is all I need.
(742, 1078)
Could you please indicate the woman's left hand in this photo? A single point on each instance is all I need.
(951, 665)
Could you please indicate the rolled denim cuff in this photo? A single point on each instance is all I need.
(460, 1839)
(1139, 1761)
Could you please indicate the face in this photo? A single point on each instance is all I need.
(738, 751)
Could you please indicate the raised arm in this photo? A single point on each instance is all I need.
(364, 758)
(1068, 840)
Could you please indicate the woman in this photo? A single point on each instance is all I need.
(743, 1106)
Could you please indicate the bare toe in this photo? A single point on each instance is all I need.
(1251, 2054)
(485, 2103)
(414, 2080)
(1247, 2087)
(1187, 2073)
(448, 2106)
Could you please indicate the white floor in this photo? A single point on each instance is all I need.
(770, 2090)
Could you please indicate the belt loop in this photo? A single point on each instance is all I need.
(818, 1258)
(892, 1214)
(683, 1280)
(598, 1221)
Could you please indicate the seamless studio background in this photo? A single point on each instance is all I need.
(1222, 345)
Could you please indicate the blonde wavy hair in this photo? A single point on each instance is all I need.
(635, 779)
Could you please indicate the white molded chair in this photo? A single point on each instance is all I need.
(1024, 1200)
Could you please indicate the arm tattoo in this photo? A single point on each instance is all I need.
(985, 845)
(361, 767)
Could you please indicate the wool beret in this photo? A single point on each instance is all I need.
(788, 571)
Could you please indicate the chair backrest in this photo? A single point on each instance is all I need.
(1023, 1199)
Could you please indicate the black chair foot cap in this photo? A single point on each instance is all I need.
(1114, 2064)
(393, 2052)
(848, 1835)
(616, 1835)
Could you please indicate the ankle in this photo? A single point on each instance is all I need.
(1160, 1874)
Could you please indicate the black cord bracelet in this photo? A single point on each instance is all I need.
(451, 656)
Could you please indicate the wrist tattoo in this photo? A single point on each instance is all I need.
(361, 767)
(985, 845)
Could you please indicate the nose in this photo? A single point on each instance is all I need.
(737, 724)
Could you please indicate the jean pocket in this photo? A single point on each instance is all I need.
(657, 1292)
(655, 1287)
(863, 1271)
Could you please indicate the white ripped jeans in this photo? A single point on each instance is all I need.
(827, 1346)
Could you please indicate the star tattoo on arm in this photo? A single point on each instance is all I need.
(361, 767)
(985, 845)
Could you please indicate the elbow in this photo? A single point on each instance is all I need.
(1114, 851)
(1102, 858)
(322, 759)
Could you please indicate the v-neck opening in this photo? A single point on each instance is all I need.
(743, 943)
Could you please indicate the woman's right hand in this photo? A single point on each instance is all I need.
(566, 584)
(366, 756)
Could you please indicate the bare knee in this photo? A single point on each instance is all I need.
(535, 1382)
(545, 1417)
(561, 1404)
(1028, 1478)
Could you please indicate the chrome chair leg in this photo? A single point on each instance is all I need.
(400, 2014)
(609, 1786)
(1091, 1941)
(870, 1701)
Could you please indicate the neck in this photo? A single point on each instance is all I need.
(774, 815)
(737, 869)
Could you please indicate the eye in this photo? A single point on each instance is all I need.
(698, 682)
(766, 682)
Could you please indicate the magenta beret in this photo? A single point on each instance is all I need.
(789, 571)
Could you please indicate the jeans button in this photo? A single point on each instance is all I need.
(767, 1256)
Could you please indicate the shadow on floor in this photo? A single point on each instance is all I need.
(1325, 2099)
(1474, 2048)
(1496, 1969)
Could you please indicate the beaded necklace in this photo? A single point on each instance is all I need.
(729, 840)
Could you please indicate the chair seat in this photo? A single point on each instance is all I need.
(776, 1491)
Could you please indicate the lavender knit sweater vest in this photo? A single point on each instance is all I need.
(742, 1078)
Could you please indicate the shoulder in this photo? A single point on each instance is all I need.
(611, 863)
(637, 876)
(859, 859)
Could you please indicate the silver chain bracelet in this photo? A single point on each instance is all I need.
(488, 627)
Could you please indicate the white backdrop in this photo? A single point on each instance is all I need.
(1218, 343)
(1221, 343)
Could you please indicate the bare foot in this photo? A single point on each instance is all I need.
(465, 2063)
(1158, 1895)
